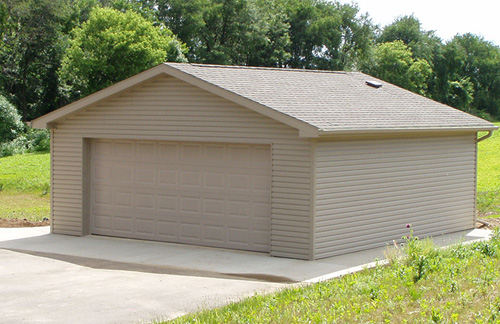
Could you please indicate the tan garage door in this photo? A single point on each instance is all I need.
(196, 193)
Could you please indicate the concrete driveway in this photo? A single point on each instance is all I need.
(48, 278)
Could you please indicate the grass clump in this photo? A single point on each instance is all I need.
(428, 285)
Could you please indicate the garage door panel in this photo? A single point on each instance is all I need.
(145, 174)
(190, 178)
(102, 221)
(168, 152)
(215, 180)
(167, 202)
(168, 231)
(123, 149)
(191, 153)
(167, 178)
(145, 151)
(123, 199)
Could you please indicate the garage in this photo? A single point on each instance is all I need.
(207, 194)
(299, 164)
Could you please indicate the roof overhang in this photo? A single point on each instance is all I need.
(51, 119)
(323, 132)
(345, 132)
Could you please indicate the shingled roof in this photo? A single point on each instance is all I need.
(322, 102)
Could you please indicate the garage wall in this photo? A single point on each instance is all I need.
(171, 110)
(368, 190)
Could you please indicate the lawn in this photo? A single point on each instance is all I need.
(25, 186)
(488, 176)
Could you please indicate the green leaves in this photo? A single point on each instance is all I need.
(111, 46)
(10, 121)
(394, 62)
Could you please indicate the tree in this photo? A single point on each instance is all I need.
(112, 46)
(30, 55)
(394, 62)
(267, 45)
(408, 29)
(468, 74)
(10, 121)
(215, 31)
(327, 35)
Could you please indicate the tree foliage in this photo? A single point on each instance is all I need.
(394, 62)
(33, 44)
(10, 121)
(55, 51)
(111, 46)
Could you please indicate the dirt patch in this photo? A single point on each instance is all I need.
(22, 223)
(492, 223)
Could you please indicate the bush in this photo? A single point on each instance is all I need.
(39, 140)
(33, 140)
(11, 125)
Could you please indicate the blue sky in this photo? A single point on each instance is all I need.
(446, 17)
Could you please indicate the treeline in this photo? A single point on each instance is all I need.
(56, 51)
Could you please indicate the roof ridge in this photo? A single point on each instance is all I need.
(264, 68)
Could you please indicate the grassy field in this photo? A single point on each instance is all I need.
(456, 285)
(25, 186)
(488, 176)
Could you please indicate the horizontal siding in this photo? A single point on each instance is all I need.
(366, 191)
(167, 109)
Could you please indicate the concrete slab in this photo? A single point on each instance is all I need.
(49, 278)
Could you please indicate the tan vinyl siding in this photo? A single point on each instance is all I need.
(167, 109)
(368, 190)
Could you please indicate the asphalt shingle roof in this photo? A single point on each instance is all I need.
(331, 100)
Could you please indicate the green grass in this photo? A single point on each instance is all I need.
(33, 207)
(25, 186)
(456, 285)
(25, 173)
(488, 175)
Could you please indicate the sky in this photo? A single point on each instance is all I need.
(446, 17)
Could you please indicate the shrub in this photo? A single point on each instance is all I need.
(33, 140)
(10, 121)
(39, 140)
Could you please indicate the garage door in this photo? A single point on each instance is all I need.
(197, 193)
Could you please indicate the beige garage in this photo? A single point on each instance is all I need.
(197, 193)
(294, 163)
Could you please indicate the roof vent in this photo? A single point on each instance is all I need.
(374, 84)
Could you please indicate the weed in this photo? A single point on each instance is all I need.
(422, 256)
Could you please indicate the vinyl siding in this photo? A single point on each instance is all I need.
(368, 190)
(167, 109)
